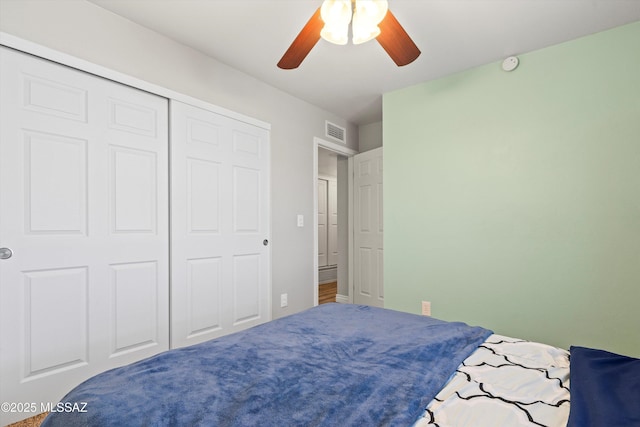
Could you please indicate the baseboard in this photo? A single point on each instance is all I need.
(343, 299)
(328, 274)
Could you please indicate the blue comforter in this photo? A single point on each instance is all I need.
(332, 365)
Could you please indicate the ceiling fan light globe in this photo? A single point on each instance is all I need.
(363, 31)
(371, 11)
(335, 34)
(364, 39)
(336, 12)
(336, 15)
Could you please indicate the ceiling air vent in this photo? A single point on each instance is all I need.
(334, 131)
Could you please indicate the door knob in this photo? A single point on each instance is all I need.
(265, 242)
(5, 253)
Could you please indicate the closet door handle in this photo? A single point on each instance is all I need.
(5, 253)
(265, 242)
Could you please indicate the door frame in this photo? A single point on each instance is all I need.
(348, 153)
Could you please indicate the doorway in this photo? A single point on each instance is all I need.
(327, 216)
(332, 172)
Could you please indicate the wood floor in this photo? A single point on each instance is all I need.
(327, 292)
(30, 422)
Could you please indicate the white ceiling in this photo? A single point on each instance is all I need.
(453, 35)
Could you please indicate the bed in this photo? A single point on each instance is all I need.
(335, 365)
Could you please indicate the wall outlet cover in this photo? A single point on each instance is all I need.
(426, 308)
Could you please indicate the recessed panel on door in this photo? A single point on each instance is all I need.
(246, 144)
(203, 196)
(199, 131)
(246, 287)
(246, 200)
(55, 183)
(55, 307)
(365, 263)
(134, 305)
(132, 117)
(133, 190)
(204, 289)
(54, 98)
(365, 168)
(365, 200)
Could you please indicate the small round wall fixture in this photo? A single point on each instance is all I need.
(510, 64)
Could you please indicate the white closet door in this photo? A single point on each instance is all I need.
(323, 219)
(368, 228)
(220, 226)
(83, 207)
(332, 231)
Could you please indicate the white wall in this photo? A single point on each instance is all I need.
(91, 33)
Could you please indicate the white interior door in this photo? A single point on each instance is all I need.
(368, 228)
(83, 207)
(323, 219)
(220, 226)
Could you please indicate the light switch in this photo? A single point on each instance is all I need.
(300, 220)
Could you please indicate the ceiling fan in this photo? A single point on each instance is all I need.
(369, 19)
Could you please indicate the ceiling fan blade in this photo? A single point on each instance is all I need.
(395, 40)
(303, 43)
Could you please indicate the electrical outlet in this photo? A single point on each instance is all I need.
(426, 308)
(283, 300)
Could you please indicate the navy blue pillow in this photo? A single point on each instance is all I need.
(605, 389)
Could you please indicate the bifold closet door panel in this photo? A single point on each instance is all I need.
(220, 226)
(84, 210)
(327, 222)
(323, 220)
(332, 234)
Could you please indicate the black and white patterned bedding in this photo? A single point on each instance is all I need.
(505, 382)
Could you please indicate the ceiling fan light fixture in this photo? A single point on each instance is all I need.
(364, 34)
(371, 19)
(335, 34)
(363, 31)
(366, 17)
(336, 15)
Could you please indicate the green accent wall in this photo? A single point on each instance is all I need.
(512, 199)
